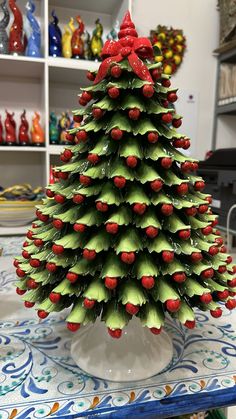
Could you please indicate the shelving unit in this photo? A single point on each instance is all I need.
(46, 84)
(224, 54)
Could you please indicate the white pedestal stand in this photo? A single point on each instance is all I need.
(137, 355)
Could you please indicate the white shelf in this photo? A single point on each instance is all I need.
(23, 149)
(23, 58)
(14, 231)
(71, 63)
(96, 6)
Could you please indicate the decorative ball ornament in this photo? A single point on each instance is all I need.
(134, 114)
(152, 137)
(148, 91)
(131, 161)
(116, 71)
(113, 92)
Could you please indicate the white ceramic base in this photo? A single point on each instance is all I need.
(137, 355)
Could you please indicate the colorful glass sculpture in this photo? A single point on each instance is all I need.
(77, 43)
(3, 24)
(87, 46)
(66, 39)
(113, 34)
(37, 133)
(24, 130)
(97, 42)
(55, 47)
(64, 125)
(10, 127)
(16, 38)
(53, 129)
(34, 40)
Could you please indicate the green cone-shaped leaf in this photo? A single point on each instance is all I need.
(110, 195)
(146, 173)
(119, 168)
(171, 179)
(122, 216)
(197, 224)
(115, 316)
(175, 266)
(200, 267)
(192, 287)
(67, 288)
(98, 87)
(120, 121)
(185, 313)
(129, 241)
(80, 315)
(131, 147)
(151, 315)
(159, 244)
(49, 307)
(97, 172)
(143, 126)
(163, 291)
(104, 146)
(71, 241)
(99, 241)
(149, 218)
(132, 292)
(213, 285)
(161, 198)
(132, 101)
(106, 104)
(84, 267)
(97, 291)
(113, 267)
(145, 266)
(91, 217)
(174, 224)
(136, 194)
(68, 216)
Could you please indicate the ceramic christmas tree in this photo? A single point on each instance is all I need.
(127, 232)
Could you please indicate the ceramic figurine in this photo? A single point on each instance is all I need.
(54, 37)
(10, 127)
(97, 42)
(37, 133)
(66, 39)
(16, 38)
(53, 129)
(34, 40)
(23, 130)
(87, 46)
(77, 43)
(1, 132)
(113, 34)
(64, 125)
(3, 24)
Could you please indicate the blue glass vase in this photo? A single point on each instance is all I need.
(34, 40)
(55, 46)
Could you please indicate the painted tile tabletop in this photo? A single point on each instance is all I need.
(39, 379)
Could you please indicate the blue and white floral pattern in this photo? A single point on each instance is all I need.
(39, 379)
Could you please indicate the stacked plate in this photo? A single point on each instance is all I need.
(17, 213)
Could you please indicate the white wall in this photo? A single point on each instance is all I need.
(199, 21)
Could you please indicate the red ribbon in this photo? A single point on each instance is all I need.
(131, 48)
